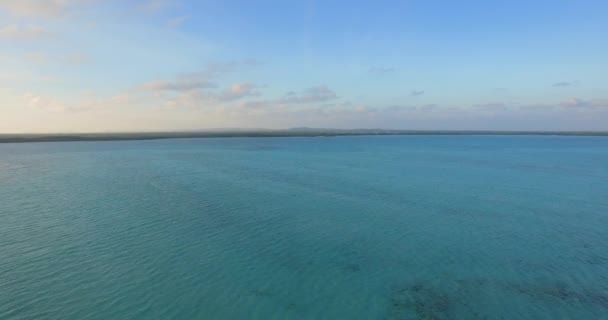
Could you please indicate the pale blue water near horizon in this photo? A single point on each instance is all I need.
(410, 227)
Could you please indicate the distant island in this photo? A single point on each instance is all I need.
(293, 132)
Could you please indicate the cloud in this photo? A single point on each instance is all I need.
(575, 103)
(175, 22)
(417, 93)
(581, 103)
(41, 8)
(27, 32)
(200, 88)
(43, 57)
(563, 106)
(381, 70)
(177, 85)
(565, 84)
(312, 95)
(204, 79)
(237, 91)
(491, 116)
(39, 102)
(220, 105)
(200, 98)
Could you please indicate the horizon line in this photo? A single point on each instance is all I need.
(268, 133)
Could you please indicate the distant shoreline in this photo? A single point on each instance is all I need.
(23, 138)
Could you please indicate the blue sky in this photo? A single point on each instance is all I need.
(108, 65)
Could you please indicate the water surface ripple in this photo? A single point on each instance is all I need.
(413, 227)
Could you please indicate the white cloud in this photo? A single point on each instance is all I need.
(311, 95)
(187, 99)
(237, 91)
(24, 32)
(45, 103)
(178, 85)
(43, 57)
(232, 106)
(211, 99)
(41, 8)
(204, 79)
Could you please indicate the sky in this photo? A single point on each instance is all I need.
(172, 65)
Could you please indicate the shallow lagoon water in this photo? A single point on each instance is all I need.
(411, 227)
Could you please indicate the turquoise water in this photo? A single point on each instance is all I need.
(415, 227)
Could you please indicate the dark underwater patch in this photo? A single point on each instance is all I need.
(564, 293)
(419, 301)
